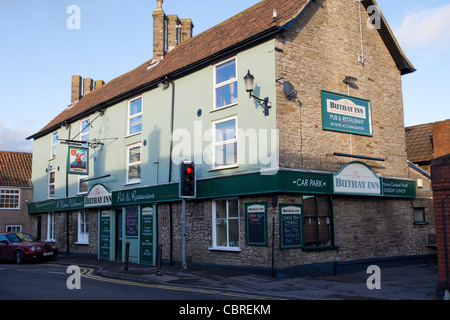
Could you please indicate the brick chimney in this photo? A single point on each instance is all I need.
(99, 84)
(76, 89)
(159, 31)
(173, 31)
(88, 85)
(168, 31)
(186, 29)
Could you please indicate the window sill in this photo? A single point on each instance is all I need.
(320, 248)
(225, 168)
(131, 183)
(82, 243)
(132, 135)
(232, 249)
(224, 107)
(420, 223)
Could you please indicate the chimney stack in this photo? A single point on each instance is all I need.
(159, 32)
(76, 89)
(168, 31)
(88, 85)
(81, 87)
(186, 29)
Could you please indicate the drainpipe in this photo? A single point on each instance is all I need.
(67, 213)
(170, 169)
(444, 226)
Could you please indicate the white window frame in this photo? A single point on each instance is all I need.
(53, 145)
(51, 185)
(16, 193)
(214, 225)
(130, 117)
(51, 227)
(13, 228)
(224, 83)
(130, 164)
(216, 144)
(84, 131)
(83, 227)
(79, 185)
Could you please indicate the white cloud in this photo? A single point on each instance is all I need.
(426, 30)
(15, 139)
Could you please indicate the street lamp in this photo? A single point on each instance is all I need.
(249, 85)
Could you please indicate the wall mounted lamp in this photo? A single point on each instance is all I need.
(249, 85)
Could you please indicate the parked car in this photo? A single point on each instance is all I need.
(21, 247)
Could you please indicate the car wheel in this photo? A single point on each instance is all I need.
(19, 257)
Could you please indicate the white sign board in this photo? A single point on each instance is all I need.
(356, 178)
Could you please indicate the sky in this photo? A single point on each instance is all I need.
(42, 45)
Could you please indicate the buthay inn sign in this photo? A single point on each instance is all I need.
(357, 178)
(346, 114)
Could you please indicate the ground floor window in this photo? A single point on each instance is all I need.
(225, 218)
(317, 221)
(419, 216)
(83, 227)
(51, 227)
(13, 228)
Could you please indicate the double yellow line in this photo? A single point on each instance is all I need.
(88, 273)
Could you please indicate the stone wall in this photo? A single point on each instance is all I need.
(316, 54)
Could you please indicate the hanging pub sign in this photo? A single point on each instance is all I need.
(346, 114)
(78, 160)
(358, 179)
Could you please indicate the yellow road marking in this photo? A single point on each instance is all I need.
(87, 273)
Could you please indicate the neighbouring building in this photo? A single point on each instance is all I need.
(292, 112)
(16, 190)
(440, 172)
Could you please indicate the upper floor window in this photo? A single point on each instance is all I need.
(225, 143)
(51, 184)
(84, 130)
(54, 144)
(9, 199)
(82, 185)
(134, 163)
(225, 84)
(135, 116)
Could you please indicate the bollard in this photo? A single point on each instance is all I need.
(127, 254)
(158, 260)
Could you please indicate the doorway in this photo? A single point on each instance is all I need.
(119, 236)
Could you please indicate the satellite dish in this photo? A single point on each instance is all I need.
(289, 90)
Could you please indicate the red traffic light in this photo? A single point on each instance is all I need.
(189, 170)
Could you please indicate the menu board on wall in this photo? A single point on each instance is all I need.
(256, 224)
(291, 226)
(105, 235)
(147, 236)
(131, 226)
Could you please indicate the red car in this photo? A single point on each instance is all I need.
(21, 247)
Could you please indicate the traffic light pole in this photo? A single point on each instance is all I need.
(183, 232)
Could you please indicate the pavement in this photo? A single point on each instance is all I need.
(410, 282)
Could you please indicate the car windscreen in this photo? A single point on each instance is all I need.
(25, 237)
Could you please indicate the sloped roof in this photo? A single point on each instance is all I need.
(419, 143)
(242, 29)
(15, 169)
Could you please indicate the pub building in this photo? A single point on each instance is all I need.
(292, 114)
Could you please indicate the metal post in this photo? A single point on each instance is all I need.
(127, 254)
(183, 232)
(158, 260)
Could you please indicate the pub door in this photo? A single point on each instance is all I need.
(118, 233)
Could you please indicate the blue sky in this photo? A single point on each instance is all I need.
(39, 53)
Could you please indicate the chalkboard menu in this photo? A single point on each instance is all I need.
(256, 224)
(147, 246)
(131, 226)
(291, 226)
(105, 235)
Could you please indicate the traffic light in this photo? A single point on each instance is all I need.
(187, 180)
